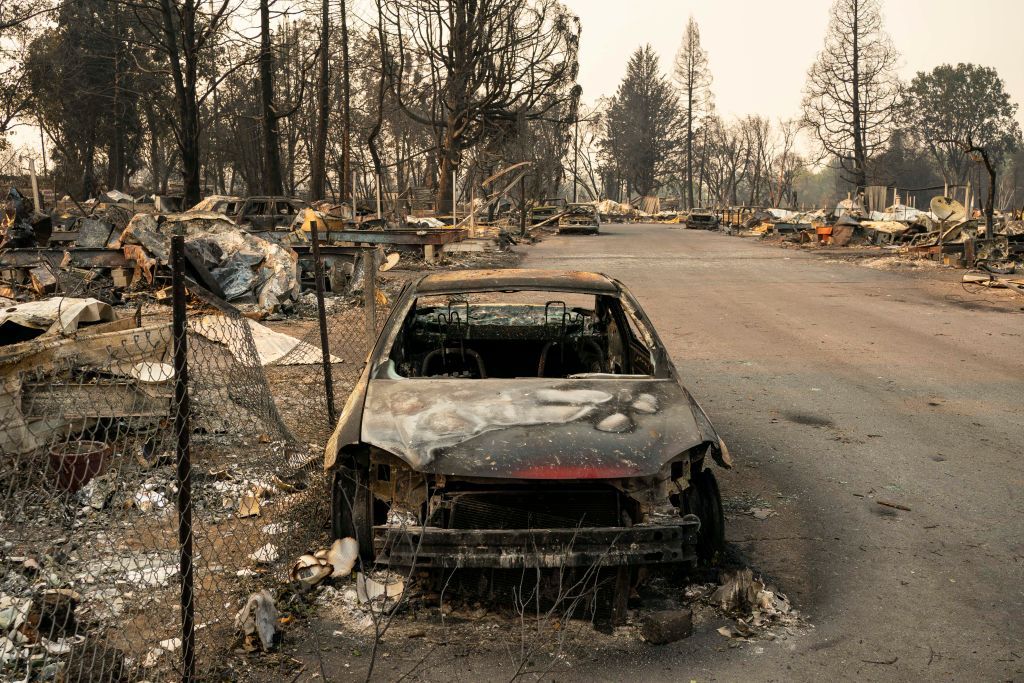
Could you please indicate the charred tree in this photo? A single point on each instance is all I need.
(851, 96)
(181, 36)
(346, 109)
(490, 63)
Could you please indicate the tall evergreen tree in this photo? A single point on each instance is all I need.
(643, 124)
(694, 80)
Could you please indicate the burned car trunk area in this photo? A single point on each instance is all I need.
(506, 427)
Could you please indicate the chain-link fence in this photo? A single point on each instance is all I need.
(155, 476)
(302, 381)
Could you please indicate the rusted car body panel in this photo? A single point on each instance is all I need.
(438, 463)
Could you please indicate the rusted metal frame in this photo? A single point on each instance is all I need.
(328, 250)
(23, 258)
(434, 236)
(546, 548)
(57, 258)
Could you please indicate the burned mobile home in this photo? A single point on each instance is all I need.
(523, 418)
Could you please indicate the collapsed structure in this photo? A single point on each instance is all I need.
(945, 232)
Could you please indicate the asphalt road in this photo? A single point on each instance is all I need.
(838, 385)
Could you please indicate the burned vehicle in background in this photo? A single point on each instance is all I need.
(702, 219)
(254, 214)
(546, 211)
(580, 218)
(523, 418)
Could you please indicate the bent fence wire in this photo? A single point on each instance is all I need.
(91, 533)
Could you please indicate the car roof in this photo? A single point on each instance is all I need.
(516, 279)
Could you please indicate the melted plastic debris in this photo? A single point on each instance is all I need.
(615, 423)
(646, 404)
(257, 621)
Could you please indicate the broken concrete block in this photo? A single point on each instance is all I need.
(668, 626)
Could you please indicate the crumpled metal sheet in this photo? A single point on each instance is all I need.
(56, 315)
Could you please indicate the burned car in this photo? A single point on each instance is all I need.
(702, 219)
(580, 218)
(546, 211)
(255, 214)
(523, 418)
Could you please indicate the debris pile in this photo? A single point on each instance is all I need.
(257, 622)
(334, 562)
(40, 629)
(20, 224)
(945, 232)
(756, 610)
(236, 265)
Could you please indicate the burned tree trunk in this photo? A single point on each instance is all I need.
(318, 172)
(272, 181)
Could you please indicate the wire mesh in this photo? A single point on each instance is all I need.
(90, 582)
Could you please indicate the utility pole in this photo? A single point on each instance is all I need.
(35, 185)
(575, 156)
(522, 205)
(379, 214)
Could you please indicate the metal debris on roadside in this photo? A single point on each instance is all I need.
(257, 622)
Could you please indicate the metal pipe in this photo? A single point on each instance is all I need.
(182, 430)
(379, 215)
(321, 310)
(370, 299)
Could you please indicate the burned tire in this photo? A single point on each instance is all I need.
(352, 509)
(703, 499)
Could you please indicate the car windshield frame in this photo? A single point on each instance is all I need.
(636, 325)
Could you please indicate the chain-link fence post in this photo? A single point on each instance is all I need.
(370, 297)
(184, 462)
(325, 351)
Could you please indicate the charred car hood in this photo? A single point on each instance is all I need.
(534, 428)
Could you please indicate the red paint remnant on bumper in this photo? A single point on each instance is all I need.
(573, 472)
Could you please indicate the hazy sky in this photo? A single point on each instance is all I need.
(759, 50)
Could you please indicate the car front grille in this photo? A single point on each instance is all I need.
(532, 509)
